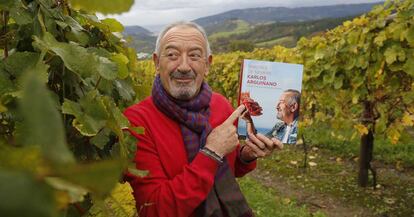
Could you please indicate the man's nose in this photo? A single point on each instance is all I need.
(184, 65)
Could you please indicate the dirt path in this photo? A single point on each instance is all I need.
(314, 201)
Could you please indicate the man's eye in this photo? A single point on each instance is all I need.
(173, 56)
(195, 56)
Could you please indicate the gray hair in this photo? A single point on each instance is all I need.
(185, 24)
(292, 98)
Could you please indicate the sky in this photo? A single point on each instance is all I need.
(150, 13)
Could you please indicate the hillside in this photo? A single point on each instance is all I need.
(140, 38)
(246, 29)
(283, 14)
(268, 35)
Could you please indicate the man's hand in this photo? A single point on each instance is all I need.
(224, 139)
(258, 146)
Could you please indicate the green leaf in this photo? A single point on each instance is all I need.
(122, 61)
(104, 7)
(42, 118)
(381, 37)
(113, 25)
(75, 192)
(78, 59)
(338, 82)
(409, 66)
(18, 62)
(101, 139)
(410, 36)
(6, 4)
(390, 55)
(20, 14)
(98, 177)
(124, 89)
(23, 196)
(90, 113)
(117, 120)
(6, 84)
(138, 130)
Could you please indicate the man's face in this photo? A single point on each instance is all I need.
(182, 63)
(283, 109)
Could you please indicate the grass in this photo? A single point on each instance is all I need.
(331, 175)
(266, 202)
(401, 153)
(242, 26)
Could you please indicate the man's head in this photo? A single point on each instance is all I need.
(182, 58)
(288, 106)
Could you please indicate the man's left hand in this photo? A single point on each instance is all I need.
(258, 146)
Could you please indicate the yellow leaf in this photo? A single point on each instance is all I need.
(3, 108)
(293, 162)
(408, 120)
(363, 130)
(393, 135)
(399, 166)
(312, 164)
(62, 199)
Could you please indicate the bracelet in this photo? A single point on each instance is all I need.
(212, 154)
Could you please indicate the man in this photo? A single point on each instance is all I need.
(288, 113)
(190, 145)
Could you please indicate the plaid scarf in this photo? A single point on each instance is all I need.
(225, 198)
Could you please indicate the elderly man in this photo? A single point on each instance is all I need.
(190, 146)
(288, 113)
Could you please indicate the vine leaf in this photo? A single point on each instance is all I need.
(104, 7)
(90, 113)
(22, 190)
(41, 117)
(78, 59)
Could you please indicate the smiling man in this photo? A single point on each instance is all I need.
(287, 110)
(190, 145)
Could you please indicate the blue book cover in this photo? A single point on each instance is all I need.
(271, 92)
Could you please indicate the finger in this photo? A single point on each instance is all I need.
(268, 142)
(257, 151)
(277, 143)
(235, 115)
(256, 141)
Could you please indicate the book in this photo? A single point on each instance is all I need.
(271, 93)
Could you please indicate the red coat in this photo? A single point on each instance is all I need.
(174, 187)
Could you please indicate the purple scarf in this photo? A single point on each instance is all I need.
(225, 198)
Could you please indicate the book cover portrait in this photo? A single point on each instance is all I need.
(271, 93)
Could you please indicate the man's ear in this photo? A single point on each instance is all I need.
(294, 107)
(209, 62)
(156, 60)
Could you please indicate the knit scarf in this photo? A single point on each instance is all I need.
(225, 198)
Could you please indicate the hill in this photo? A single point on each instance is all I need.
(140, 38)
(283, 14)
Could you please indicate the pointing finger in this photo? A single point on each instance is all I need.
(235, 115)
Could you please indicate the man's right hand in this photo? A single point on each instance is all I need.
(224, 139)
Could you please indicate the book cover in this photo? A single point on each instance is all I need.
(271, 92)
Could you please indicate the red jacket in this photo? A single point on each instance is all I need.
(174, 187)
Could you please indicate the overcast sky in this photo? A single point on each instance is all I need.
(160, 12)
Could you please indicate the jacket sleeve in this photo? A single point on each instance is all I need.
(158, 195)
(241, 167)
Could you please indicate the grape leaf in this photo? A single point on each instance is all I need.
(41, 117)
(104, 7)
(90, 113)
(24, 196)
(78, 59)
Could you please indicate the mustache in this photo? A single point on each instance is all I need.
(183, 75)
